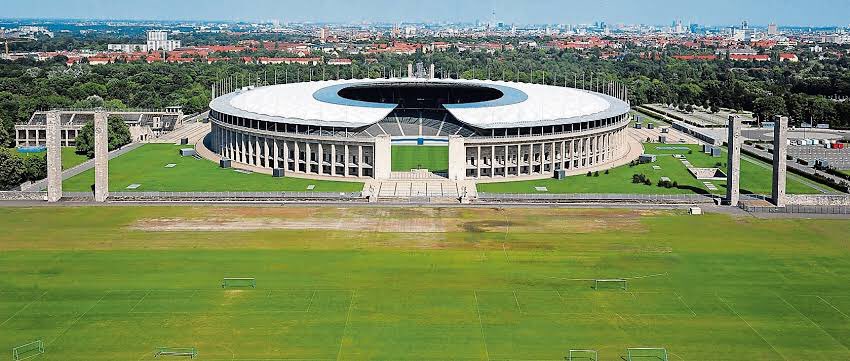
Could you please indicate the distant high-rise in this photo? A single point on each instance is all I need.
(772, 29)
(156, 40)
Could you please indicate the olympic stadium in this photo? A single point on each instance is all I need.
(492, 130)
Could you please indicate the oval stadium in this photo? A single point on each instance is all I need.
(488, 130)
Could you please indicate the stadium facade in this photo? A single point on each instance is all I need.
(494, 130)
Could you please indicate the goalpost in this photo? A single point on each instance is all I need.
(189, 352)
(583, 355)
(647, 353)
(28, 350)
(616, 283)
(239, 282)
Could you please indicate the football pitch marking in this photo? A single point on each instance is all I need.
(23, 308)
(347, 320)
(481, 325)
(685, 303)
(836, 308)
(140, 301)
(78, 318)
(729, 307)
(812, 322)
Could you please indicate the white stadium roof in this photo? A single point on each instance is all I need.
(318, 103)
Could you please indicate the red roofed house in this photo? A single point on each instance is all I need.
(303, 61)
(695, 57)
(749, 57)
(99, 60)
(788, 57)
(339, 62)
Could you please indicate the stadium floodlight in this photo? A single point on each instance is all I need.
(239, 282)
(618, 283)
(189, 352)
(647, 353)
(583, 355)
(28, 350)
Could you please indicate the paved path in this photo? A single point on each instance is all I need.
(68, 173)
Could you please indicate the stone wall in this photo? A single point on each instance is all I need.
(819, 200)
(23, 196)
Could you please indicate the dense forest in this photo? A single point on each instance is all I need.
(801, 90)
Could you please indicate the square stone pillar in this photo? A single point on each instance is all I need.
(780, 152)
(383, 157)
(457, 158)
(54, 157)
(101, 156)
(409, 70)
(733, 171)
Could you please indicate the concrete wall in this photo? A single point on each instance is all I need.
(733, 174)
(780, 153)
(383, 157)
(457, 158)
(101, 156)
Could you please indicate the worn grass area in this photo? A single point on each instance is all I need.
(407, 157)
(146, 166)
(756, 177)
(113, 283)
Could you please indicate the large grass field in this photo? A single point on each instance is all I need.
(114, 283)
(407, 157)
(756, 177)
(146, 166)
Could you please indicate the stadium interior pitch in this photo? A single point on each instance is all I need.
(358, 283)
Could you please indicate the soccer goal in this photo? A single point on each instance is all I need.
(229, 282)
(583, 355)
(189, 352)
(611, 283)
(28, 350)
(647, 354)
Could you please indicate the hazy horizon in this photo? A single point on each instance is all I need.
(656, 12)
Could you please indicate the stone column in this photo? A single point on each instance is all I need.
(457, 158)
(54, 157)
(101, 156)
(733, 171)
(780, 152)
(383, 157)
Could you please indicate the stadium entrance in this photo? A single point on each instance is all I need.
(421, 158)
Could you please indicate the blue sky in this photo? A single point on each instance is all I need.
(713, 12)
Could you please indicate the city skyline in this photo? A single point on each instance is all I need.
(657, 12)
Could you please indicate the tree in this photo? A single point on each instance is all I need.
(35, 168)
(11, 170)
(119, 136)
(767, 107)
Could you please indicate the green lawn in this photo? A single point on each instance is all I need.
(847, 172)
(756, 177)
(407, 157)
(70, 158)
(114, 283)
(146, 166)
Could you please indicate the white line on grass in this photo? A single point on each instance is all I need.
(140, 301)
(728, 306)
(836, 308)
(24, 308)
(347, 319)
(481, 324)
(78, 319)
(621, 278)
(310, 302)
(812, 322)
(684, 303)
(516, 299)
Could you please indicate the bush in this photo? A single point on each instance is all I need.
(647, 182)
(665, 184)
(639, 178)
(690, 152)
(596, 174)
(607, 172)
(589, 174)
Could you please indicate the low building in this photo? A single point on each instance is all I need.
(144, 125)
